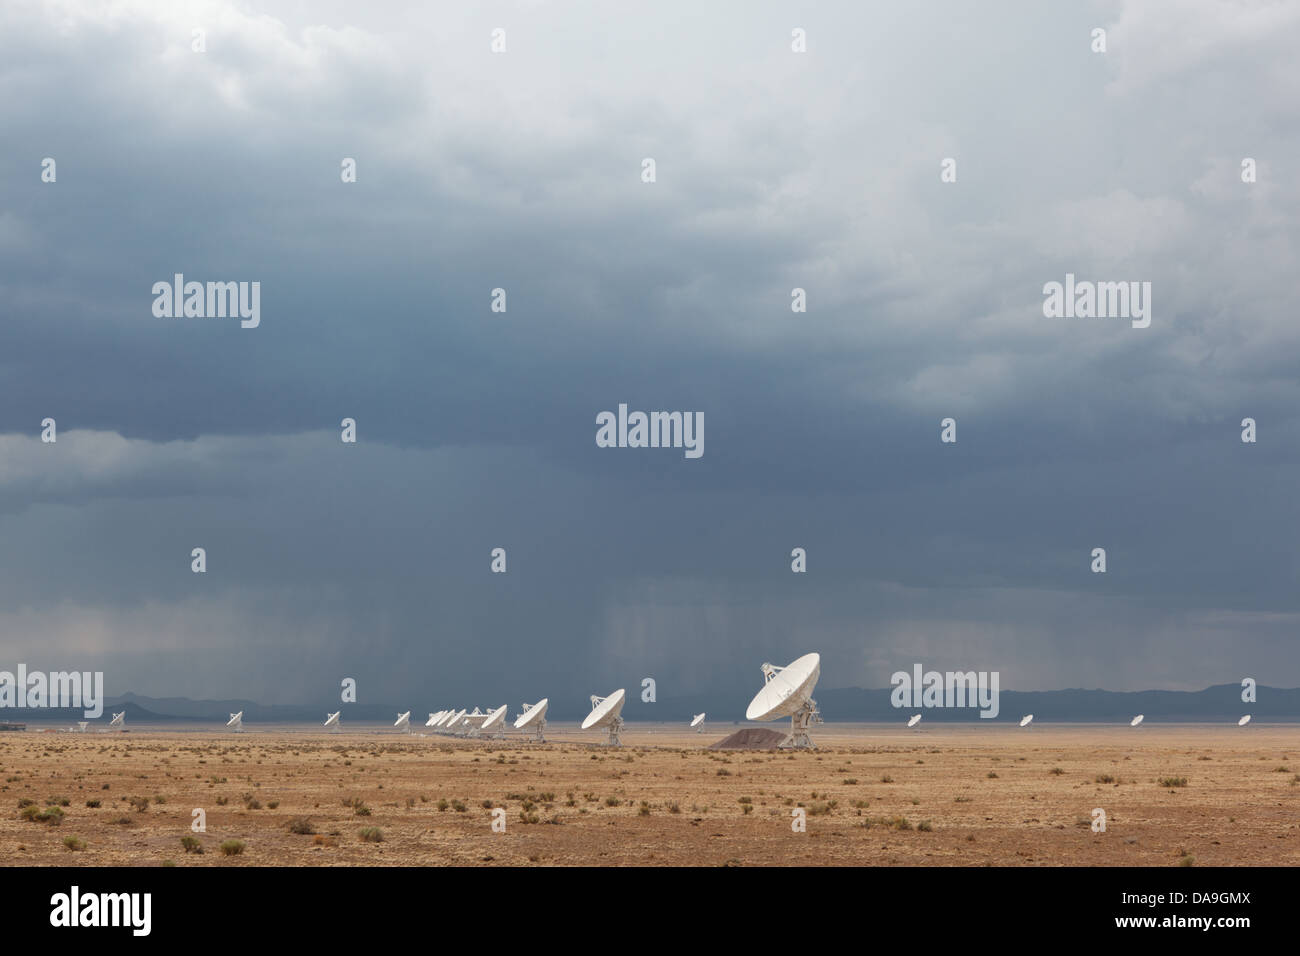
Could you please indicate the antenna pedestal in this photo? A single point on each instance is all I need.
(615, 728)
(800, 722)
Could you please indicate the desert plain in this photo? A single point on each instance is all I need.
(872, 795)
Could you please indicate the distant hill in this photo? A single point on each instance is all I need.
(1218, 703)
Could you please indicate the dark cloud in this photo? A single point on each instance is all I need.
(477, 429)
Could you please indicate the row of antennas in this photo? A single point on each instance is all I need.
(492, 722)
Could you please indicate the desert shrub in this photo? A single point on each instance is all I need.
(232, 847)
(74, 843)
(372, 835)
(1173, 781)
(191, 844)
(301, 825)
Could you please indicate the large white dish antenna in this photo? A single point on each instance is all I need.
(118, 720)
(1026, 720)
(534, 716)
(787, 692)
(1136, 720)
(332, 721)
(496, 720)
(452, 722)
(698, 722)
(434, 718)
(1244, 721)
(913, 720)
(236, 722)
(607, 712)
(404, 722)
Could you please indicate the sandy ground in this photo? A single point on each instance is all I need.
(873, 795)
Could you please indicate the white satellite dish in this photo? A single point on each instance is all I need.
(332, 721)
(607, 712)
(698, 723)
(534, 715)
(439, 719)
(496, 722)
(913, 720)
(1136, 720)
(787, 692)
(81, 726)
(453, 722)
(433, 718)
(475, 721)
(236, 722)
(1026, 720)
(404, 722)
(1244, 721)
(118, 720)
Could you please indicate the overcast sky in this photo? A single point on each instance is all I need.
(476, 430)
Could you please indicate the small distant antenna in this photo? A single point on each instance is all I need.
(118, 721)
(534, 716)
(332, 722)
(1026, 720)
(1244, 721)
(236, 722)
(404, 722)
(698, 723)
(913, 720)
(607, 712)
(474, 723)
(1136, 720)
(81, 726)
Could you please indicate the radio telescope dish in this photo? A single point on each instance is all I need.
(607, 712)
(434, 718)
(1026, 720)
(332, 722)
(453, 722)
(404, 722)
(1244, 721)
(496, 721)
(118, 720)
(787, 692)
(475, 721)
(441, 718)
(82, 725)
(534, 715)
(1136, 720)
(236, 722)
(698, 723)
(913, 720)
